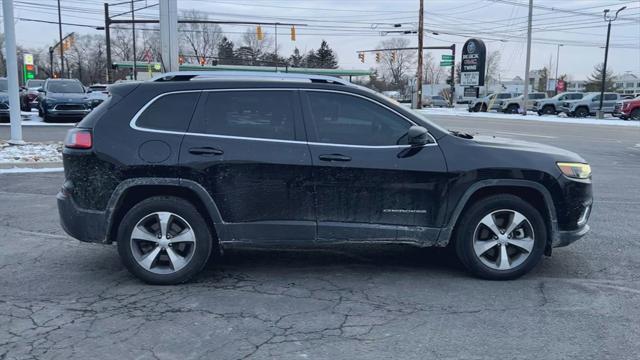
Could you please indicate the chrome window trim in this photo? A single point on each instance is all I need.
(134, 126)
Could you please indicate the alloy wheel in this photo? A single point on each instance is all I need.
(503, 239)
(163, 242)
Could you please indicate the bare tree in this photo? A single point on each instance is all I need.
(493, 67)
(433, 72)
(396, 66)
(252, 49)
(200, 39)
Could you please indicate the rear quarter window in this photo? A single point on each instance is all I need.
(171, 112)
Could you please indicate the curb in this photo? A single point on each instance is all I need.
(34, 165)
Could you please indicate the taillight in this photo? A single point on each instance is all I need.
(78, 139)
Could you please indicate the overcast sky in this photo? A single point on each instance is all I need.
(351, 25)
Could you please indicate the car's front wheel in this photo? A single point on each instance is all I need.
(512, 109)
(582, 112)
(501, 237)
(548, 110)
(164, 240)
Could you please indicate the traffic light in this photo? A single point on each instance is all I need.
(361, 57)
(202, 60)
(293, 33)
(377, 57)
(181, 59)
(259, 33)
(29, 72)
(393, 57)
(68, 42)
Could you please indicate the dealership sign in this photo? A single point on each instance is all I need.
(474, 55)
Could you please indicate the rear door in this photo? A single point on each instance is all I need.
(370, 185)
(609, 102)
(248, 148)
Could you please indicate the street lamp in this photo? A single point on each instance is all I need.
(557, 65)
(608, 19)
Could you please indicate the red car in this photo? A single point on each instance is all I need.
(628, 109)
(29, 95)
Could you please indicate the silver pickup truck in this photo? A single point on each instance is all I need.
(551, 106)
(512, 106)
(489, 102)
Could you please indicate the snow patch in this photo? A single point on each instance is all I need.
(30, 153)
(30, 170)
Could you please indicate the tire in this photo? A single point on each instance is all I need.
(476, 108)
(582, 112)
(191, 254)
(635, 114)
(473, 237)
(40, 113)
(483, 108)
(512, 109)
(548, 110)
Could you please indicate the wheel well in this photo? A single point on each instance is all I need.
(136, 194)
(528, 194)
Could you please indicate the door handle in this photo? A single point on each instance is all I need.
(334, 157)
(205, 151)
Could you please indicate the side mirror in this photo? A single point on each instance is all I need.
(417, 135)
(40, 89)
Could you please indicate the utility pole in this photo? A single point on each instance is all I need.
(420, 46)
(600, 113)
(525, 92)
(557, 66)
(453, 74)
(61, 47)
(107, 38)
(12, 72)
(133, 29)
(276, 51)
(169, 35)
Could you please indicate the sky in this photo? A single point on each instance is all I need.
(352, 25)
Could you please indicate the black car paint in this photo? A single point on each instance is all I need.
(273, 193)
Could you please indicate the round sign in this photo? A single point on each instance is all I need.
(471, 47)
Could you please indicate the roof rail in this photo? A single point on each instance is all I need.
(247, 76)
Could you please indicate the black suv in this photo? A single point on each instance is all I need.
(63, 98)
(191, 163)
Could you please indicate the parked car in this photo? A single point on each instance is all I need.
(628, 109)
(97, 93)
(434, 101)
(29, 95)
(489, 102)
(551, 106)
(63, 98)
(512, 105)
(4, 100)
(174, 169)
(589, 104)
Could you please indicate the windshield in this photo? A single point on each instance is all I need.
(35, 83)
(65, 87)
(3, 85)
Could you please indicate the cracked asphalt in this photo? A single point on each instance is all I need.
(62, 299)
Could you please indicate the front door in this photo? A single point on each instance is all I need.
(370, 185)
(248, 148)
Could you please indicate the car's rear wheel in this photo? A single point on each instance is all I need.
(548, 110)
(164, 240)
(582, 112)
(635, 114)
(483, 108)
(501, 237)
(512, 109)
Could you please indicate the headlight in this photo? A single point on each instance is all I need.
(575, 170)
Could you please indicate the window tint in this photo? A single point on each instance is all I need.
(257, 114)
(438, 98)
(610, 97)
(351, 120)
(504, 96)
(170, 112)
(536, 96)
(575, 96)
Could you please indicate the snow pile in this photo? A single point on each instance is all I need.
(31, 153)
(531, 116)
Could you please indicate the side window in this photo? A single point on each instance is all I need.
(610, 97)
(504, 96)
(257, 114)
(596, 98)
(170, 112)
(351, 120)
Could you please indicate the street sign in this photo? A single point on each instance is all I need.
(447, 57)
(28, 59)
(446, 63)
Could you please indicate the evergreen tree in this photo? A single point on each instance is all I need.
(226, 53)
(296, 59)
(594, 81)
(311, 59)
(326, 57)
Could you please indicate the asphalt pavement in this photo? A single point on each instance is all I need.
(61, 299)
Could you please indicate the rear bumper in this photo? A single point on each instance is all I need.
(82, 224)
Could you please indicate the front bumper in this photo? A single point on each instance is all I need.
(565, 238)
(67, 113)
(82, 224)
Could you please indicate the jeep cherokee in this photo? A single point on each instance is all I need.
(190, 163)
